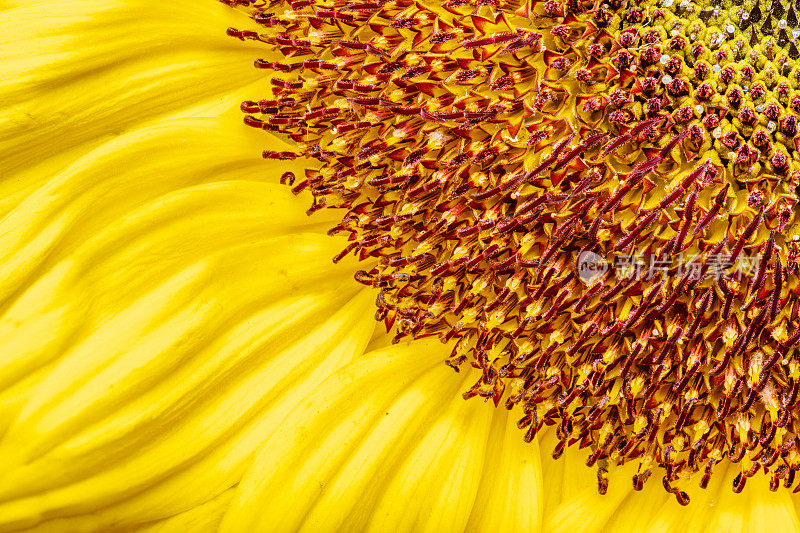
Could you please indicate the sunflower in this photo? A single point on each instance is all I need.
(180, 352)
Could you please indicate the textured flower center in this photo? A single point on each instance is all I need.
(594, 201)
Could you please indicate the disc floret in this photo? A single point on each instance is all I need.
(482, 150)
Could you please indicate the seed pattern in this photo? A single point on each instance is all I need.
(479, 147)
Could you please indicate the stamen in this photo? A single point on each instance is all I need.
(557, 191)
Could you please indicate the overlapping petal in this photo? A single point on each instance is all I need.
(511, 494)
(174, 341)
(388, 444)
(162, 331)
(201, 519)
(75, 73)
(578, 506)
(164, 301)
(719, 509)
(572, 499)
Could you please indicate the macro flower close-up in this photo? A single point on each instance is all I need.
(398, 265)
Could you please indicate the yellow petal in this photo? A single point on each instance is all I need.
(131, 258)
(201, 519)
(711, 510)
(709, 506)
(76, 72)
(770, 511)
(188, 436)
(348, 422)
(581, 506)
(565, 476)
(434, 480)
(179, 332)
(636, 512)
(122, 175)
(385, 444)
(388, 444)
(159, 313)
(511, 495)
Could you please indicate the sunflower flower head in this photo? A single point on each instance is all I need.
(493, 158)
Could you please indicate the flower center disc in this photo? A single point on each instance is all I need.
(593, 200)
